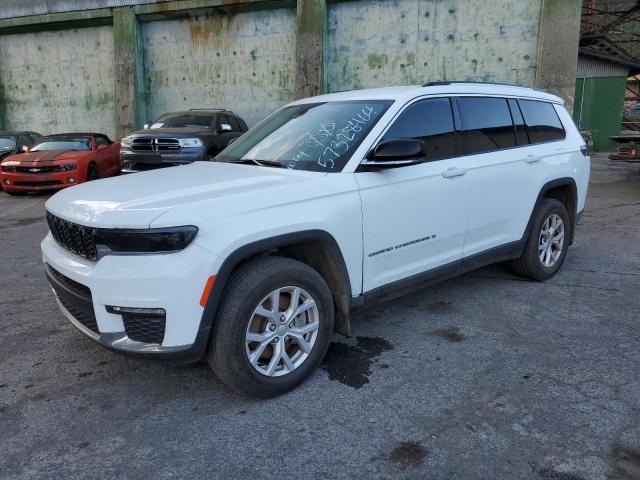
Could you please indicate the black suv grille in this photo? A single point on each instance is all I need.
(144, 328)
(149, 144)
(73, 237)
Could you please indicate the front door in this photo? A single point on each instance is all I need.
(415, 217)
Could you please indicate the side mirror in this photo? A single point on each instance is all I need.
(24, 149)
(396, 152)
(225, 127)
(145, 127)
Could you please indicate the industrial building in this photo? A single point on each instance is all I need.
(113, 65)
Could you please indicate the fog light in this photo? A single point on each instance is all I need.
(154, 312)
(7, 182)
(71, 180)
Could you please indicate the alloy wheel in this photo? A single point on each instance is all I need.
(282, 331)
(551, 240)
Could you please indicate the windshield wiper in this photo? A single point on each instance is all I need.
(261, 163)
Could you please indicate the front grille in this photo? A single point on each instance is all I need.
(74, 296)
(73, 237)
(88, 321)
(150, 144)
(69, 283)
(144, 328)
(47, 183)
(38, 170)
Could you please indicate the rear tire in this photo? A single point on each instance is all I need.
(548, 242)
(254, 332)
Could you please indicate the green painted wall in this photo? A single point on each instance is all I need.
(598, 107)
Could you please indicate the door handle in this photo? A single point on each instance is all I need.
(532, 159)
(453, 172)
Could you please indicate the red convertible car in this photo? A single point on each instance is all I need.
(59, 161)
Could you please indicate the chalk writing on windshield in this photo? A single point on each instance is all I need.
(331, 140)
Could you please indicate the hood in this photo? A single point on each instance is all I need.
(171, 132)
(47, 157)
(135, 200)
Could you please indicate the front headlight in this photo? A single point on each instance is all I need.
(68, 166)
(8, 168)
(190, 142)
(126, 142)
(152, 240)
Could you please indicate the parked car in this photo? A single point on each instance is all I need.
(59, 161)
(330, 204)
(180, 138)
(631, 117)
(14, 142)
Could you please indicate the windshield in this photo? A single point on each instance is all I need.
(181, 120)
(313, 136)
(63, 143)
(7, 142)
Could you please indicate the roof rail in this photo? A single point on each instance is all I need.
(473, 82)
(208, 110)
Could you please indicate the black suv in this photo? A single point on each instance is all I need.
(180, 137)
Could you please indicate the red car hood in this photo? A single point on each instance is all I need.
(31, 159)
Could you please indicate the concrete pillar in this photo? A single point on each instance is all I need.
(127, 51)
(558, 48)
(311, 27)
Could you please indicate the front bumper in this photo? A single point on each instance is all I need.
(137, 162)
(173, 282)
(34, 182)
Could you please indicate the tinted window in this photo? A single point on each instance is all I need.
(542, 121)
(487, 124)
(35, 137)
(24, 141)
(521, 130)
(233, 123)
(183, 120)
(430, 121)
(102, 141)
(243, 126)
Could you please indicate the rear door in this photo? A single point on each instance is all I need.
(415, 217)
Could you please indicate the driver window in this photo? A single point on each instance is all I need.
(431, 121)
(24, 141)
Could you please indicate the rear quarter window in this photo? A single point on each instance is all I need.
(543, 123)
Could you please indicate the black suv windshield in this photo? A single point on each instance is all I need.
(184, 120)
(312, 136)
(63, 143)
(7, 142)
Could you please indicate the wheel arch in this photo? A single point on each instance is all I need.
(564, 190)
(317, 248)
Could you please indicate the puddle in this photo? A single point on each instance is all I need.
(625, 463)
(551, 474)
(351, 364)
(408, 454)
(450, 334)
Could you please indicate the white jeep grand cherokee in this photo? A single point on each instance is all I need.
(330, 203)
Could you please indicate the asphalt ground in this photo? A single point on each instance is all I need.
(487, 376)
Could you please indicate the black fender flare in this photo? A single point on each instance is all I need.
(572, 203)
(265, 245)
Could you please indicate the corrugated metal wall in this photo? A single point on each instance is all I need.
(589, 67)
(24, 8)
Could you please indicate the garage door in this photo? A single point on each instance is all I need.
(59, 81)
(244, 62)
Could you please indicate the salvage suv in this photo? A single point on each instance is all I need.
(328, 205)
(180, 138)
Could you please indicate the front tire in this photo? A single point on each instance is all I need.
(92, 173)
(273, 327)
(548, 242)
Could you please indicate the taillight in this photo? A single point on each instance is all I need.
(634, 152)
